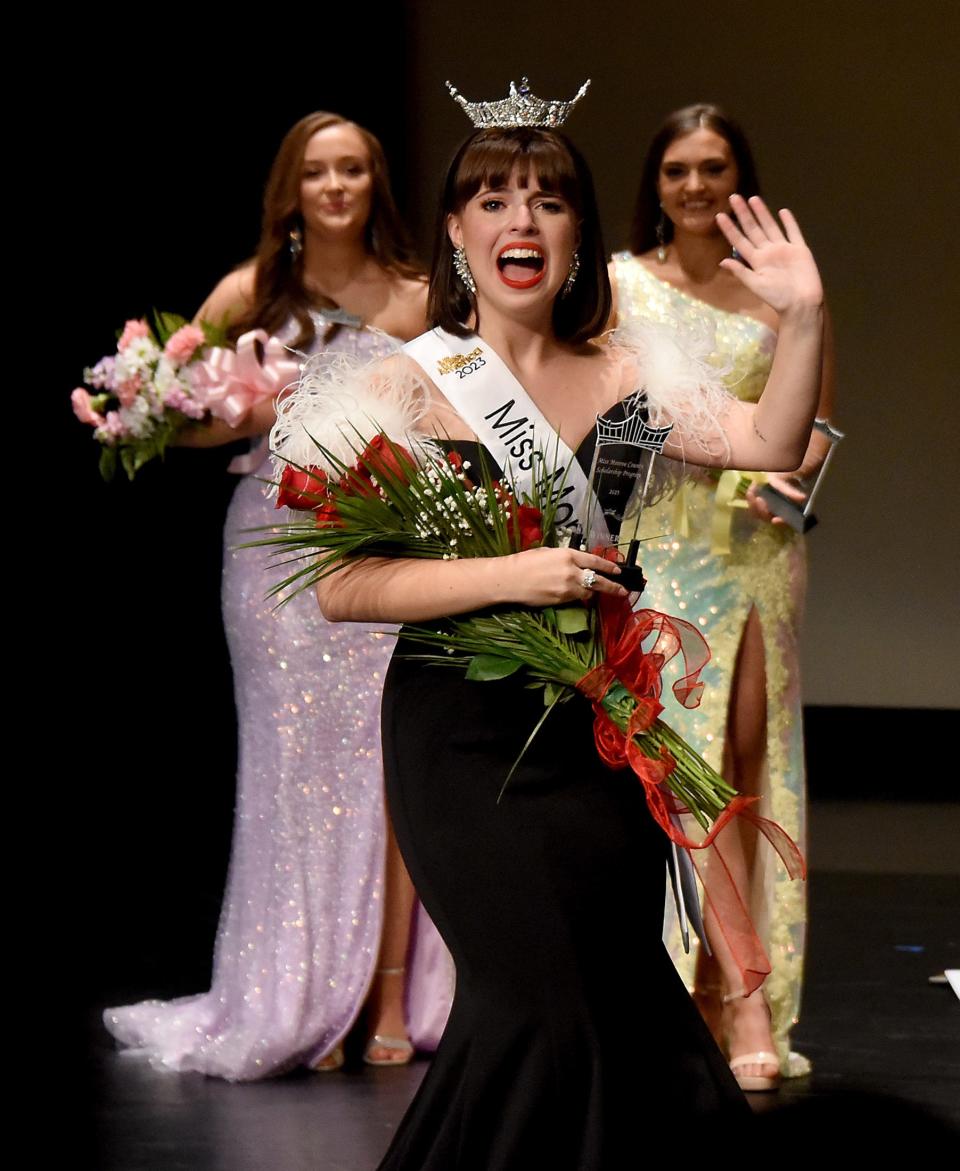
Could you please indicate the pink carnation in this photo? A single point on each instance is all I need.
(128, 390)
(177, 400)
(181, 345)
(113, 425)
(131, 331)
(83, 410)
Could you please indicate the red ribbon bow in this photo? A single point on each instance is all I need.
(638, 670)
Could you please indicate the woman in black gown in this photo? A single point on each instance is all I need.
(551, 898)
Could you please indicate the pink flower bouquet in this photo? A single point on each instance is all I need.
(171, 373)
(142, 395)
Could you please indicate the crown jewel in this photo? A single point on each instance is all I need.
(633, 430)
(521, 108)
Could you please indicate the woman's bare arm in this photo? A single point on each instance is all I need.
(380, 589)
(817, 448)
(232, 296)
(773, 434)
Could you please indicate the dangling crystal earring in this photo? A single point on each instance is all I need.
(463, 270)
(294, 242)
(571, 275)
(661, 231)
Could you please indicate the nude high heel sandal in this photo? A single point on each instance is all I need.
(399, 1045)
(757, 1083)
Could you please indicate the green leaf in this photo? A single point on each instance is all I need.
(485, 667)
(523, 750)
(553, 693)
(617, 694)
(108, 463)
(143, 454)
(128, 459)
(215, 333)
(166, 325)
(572, 619)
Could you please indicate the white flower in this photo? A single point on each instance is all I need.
(139, 355)
(136, 418)
(165, 376)
(129, 364)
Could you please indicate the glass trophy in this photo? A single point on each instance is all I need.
(800, 516)
(620, 472)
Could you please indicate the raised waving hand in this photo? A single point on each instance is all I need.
(775, 262)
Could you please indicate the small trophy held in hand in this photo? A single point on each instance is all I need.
(620, 474)
(800, 516)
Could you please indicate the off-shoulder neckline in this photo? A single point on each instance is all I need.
(699, 301)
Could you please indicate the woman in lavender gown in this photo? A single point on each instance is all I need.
(318, 906)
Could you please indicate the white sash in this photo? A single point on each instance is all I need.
(484, 392)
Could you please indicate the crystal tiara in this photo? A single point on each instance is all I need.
(521, 108)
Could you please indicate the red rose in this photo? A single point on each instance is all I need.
(328, 517)
(304, 489)
(530, 524)
(384, 459)
(455, 460)
(526, 522)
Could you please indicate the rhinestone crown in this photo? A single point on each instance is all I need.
(521, 108)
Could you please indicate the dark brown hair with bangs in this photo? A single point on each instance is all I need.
(488, 159)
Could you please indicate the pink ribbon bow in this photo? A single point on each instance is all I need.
(228, 383)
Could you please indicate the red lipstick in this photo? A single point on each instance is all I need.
(522, 254)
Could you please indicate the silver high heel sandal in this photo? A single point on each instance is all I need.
(399, 1045)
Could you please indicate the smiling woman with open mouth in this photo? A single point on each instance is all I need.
(550, 891)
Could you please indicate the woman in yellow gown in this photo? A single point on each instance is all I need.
(725, 564)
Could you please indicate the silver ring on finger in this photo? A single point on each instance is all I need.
(587, 579)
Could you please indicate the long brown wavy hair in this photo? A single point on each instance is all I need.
(278, 290)
(702, 116)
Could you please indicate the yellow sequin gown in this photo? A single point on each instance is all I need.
(764, 568)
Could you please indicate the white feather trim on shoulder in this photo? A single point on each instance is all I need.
(341, 398)
(683, 382)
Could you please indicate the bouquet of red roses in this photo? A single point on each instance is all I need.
(392, 502)
(369, 495)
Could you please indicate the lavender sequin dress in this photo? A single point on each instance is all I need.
(301, 919)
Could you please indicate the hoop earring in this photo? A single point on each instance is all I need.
(571, 276)
(294, 242)
(661, 233)
(463, 270)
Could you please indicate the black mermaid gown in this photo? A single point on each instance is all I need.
(571, 1034)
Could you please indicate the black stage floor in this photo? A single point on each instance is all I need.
(872, 1022)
